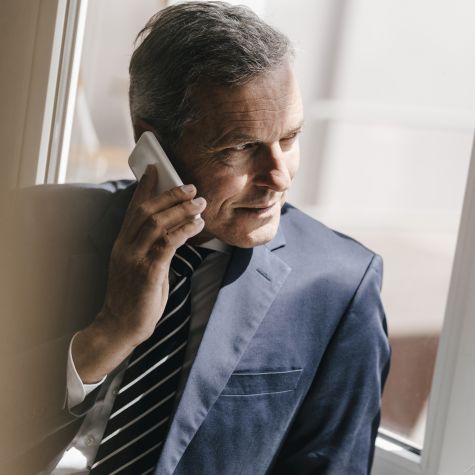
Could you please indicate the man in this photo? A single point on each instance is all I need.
(284, 353)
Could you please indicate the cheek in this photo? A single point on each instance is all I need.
(221, 187)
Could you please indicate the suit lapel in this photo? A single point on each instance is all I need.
(250, 285)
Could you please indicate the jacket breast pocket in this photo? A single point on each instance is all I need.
(255, 384)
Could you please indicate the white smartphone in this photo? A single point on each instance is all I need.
(148, 151)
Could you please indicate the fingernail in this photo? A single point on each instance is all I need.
(188, 188)
(198, 202)
(148, 169)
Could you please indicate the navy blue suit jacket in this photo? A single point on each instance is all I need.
(289, 373)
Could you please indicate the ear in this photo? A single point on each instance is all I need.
(140, 126)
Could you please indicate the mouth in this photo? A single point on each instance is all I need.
(259, 209)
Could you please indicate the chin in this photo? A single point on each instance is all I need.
(256, 239)
(251, 238)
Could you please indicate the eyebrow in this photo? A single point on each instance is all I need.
(237, 137)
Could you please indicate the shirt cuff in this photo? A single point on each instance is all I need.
(76, 389)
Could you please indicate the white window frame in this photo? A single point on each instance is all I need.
(449, 446)
(54, 71)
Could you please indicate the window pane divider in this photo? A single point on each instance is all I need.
(68, 73)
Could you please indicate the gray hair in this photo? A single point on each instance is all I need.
(194, 43)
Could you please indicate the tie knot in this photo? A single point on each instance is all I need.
(187, 258)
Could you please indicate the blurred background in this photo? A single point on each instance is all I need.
(389, 101)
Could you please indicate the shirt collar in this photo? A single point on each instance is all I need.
(216, 244)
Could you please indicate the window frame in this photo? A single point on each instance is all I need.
(50, 104)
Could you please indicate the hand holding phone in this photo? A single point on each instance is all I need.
(148, 151)
(137, 288)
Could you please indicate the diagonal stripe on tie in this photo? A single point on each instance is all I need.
(140, 416)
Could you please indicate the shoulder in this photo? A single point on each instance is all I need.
(311, 240)
(320, 252)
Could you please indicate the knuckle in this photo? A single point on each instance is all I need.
(139, 266)
(141, 210)
(154, 221)
(166, 240)
(191, 228)
(189, 207)
(175, 194)
(198, 222)
(155, 251)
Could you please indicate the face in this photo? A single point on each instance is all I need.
(242, 155)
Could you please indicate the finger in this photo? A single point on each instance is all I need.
(159, 224)
(165, 247)
(143, 191)
(146, 187)
(138, 215)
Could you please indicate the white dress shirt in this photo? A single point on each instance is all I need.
(205, 284)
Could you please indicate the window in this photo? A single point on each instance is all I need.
(396, 132)
(386, 151)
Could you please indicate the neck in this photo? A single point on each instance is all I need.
(200, 238)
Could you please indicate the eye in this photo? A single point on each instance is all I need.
(242, 147)
(290, 137)
(288, 141)
(239, 151)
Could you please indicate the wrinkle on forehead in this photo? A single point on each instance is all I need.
(263, 125)
(250, 98)
(257, 113)
(264, 108)
(272, 90)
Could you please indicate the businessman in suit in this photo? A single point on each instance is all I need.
(283, 353)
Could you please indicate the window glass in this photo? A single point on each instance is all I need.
(396, 130)
(102, 136)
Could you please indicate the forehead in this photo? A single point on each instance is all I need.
(264, 109)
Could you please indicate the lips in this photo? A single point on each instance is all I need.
(265, 210)
(260, 206)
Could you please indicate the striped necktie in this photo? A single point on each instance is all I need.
(139, 420)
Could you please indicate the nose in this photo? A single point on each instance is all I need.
(272, 170)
